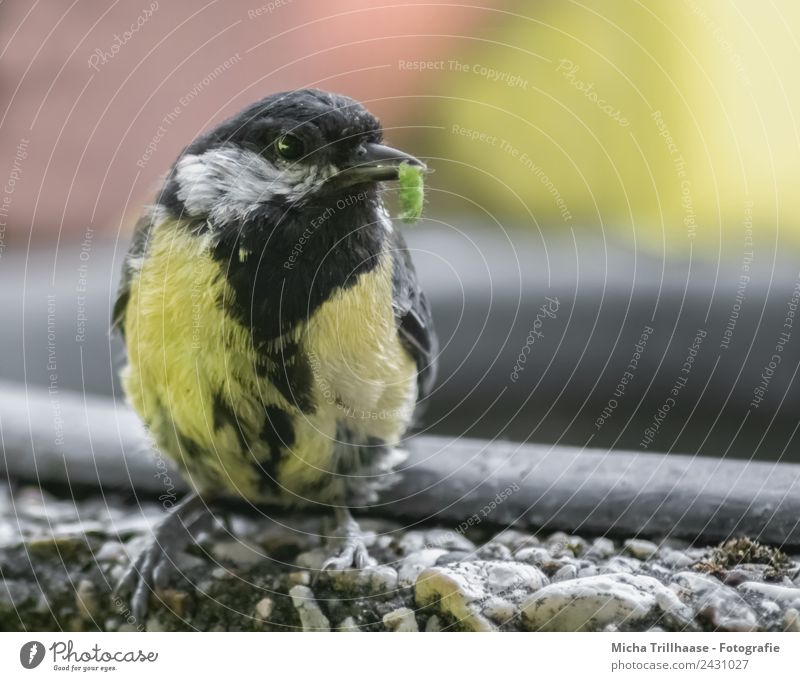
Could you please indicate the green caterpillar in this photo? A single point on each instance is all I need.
(412, 192)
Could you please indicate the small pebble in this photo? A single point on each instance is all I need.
(515, 540)
(348, 624)
(785, 596)
(86, 599)
(601, 548)
(595, 603)
(416, 540)
(640, 548)
(791, 620)
(311, 617)
(566, 572)
(300, 577)
(675, 559)
(264, 608)
(176, 600)
(714, 602)
(499, 609)
(493, 551)
(622, 564)
(416, 562)
(402, 619)
(312, 560)
(433, 624)
(558, 544)
(112, 552)
(452, 556)
(534, 555)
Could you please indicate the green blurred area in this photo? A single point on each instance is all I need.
(670, 123)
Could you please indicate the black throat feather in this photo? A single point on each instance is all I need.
(285, 260)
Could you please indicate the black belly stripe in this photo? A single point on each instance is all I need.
(190, 448)
(223, 416)
(361, 451)
(278, 434)
(290, 373)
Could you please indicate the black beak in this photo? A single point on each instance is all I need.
(375, 163)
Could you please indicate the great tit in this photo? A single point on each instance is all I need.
(278, 342)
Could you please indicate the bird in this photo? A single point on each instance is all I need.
(279, 345)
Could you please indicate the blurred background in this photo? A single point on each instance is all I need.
(610, 237)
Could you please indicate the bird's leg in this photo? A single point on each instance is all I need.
(154, 565)
(352, 552)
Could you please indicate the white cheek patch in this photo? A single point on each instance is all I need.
(229, 183)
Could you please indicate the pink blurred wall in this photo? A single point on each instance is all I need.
(86, 143)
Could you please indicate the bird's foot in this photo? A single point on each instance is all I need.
(153, 567)
(353, 551)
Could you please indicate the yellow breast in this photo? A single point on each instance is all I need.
(185, 349)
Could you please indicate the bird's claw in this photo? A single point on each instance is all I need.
(153, 567)
(148, 573)
(353, 551)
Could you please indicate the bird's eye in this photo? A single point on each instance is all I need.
(289, 147)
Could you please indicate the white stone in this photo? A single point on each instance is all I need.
(300, 577)
(456, 593)
(311, 617)
(533, 555)
(493, 551)
(111, 551)
(791, 620)
(450, 540)
(675, 559)
(348, 624)
(593, 603)
(86, 598)
(786, 596)
(601, 548)
(499, 609)
(264, 608)
(402, 619)
(460, 591)
(507, 577)
(719, 604)
(312, 560)
(514, 539)
(567, 572)
(619, 564)
(641, 548)
(434, 623)
(416, 562)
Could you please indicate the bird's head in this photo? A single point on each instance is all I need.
(280, 153)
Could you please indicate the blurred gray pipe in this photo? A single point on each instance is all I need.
(67, 438)
(486, 287)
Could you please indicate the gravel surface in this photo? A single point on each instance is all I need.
(59, 559)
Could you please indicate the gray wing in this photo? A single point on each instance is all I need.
(132, 260)
(413, 316)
